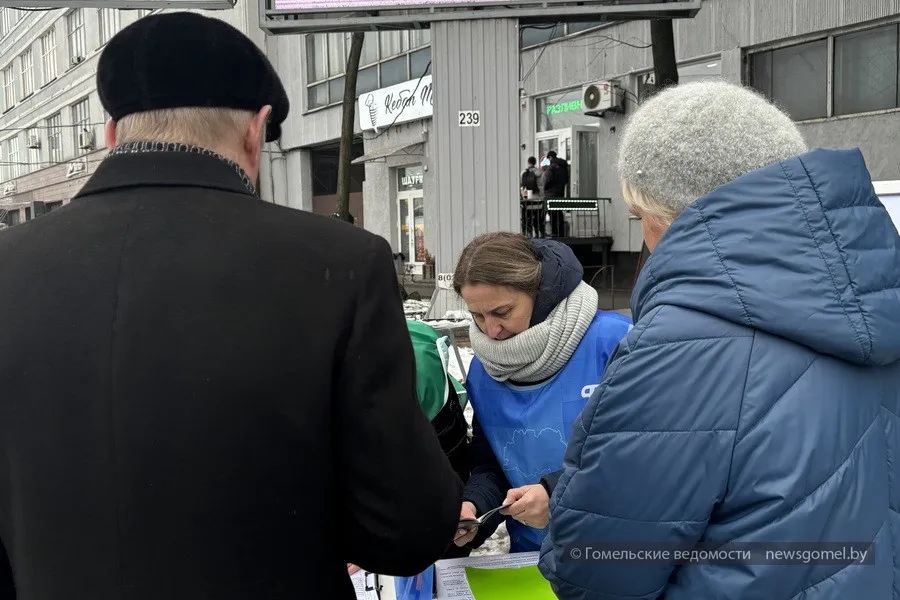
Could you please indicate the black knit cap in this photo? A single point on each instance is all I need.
(181, 59)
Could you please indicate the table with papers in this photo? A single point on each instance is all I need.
(513, 576)
(364, 585)
(496, 577)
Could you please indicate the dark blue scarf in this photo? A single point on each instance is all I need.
(560, 275)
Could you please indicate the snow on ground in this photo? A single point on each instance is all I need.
(416, 309)
(453, 319)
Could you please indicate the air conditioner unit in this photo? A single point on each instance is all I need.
(601, 97)
(86, 140)
(34, 142)
(77, 59)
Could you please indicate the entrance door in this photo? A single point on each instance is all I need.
(411, 215)
(559, 140)
(411, 210)
(582, 156)
(584, 162)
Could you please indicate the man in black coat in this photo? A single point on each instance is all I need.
(203, 395)
(556, 183)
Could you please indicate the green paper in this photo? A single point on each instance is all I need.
(516, 583)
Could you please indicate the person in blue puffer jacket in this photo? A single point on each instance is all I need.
(540, 347)
(757, 397)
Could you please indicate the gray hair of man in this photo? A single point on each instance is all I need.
(690, 139)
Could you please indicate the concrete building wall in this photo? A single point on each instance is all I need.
(380, 186)
(723, 30)
(40, 176)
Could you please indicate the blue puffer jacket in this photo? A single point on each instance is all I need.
(755, 400)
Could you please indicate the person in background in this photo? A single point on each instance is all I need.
(540, 345)
(556, 185)
(531, 202)
(757, 397)
(225, 404)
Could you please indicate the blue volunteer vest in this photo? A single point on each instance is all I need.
(529, 426)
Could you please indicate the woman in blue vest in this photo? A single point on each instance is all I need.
(540, 349)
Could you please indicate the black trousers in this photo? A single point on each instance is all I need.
(557, 224)
(534, 223)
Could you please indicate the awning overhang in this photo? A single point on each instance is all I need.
(407, 149)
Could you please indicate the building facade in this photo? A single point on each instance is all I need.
(832, 64)
(52, 121)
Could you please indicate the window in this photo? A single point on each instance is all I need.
(6, 21)
(12, 157)
(109, 23)
(419, 38)
(534, 35)
(9, 87)
(388, 58)
(10, 217)
(795, 78)
(540, 34)
(420, 62)
(26, 63)
(862, 65)
(394, 71)
(33, 138)
(77, 42)
(865, 71)
(48, 55)
(324, 162)
(561, 111)
(81, 125)
(695, 71)
(54, 138)
(411, 213)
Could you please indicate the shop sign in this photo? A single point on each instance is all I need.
(411, 178)
(399, 103)
(563, 107)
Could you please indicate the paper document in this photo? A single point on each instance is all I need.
(362, 580)
(515, 583)
(453, 584)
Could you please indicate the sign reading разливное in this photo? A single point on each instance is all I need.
(399, 103)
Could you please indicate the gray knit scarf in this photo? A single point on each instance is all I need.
(541, 351)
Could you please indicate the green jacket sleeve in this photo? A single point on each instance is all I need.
(431, 378)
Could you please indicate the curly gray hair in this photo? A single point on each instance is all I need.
(692, 138)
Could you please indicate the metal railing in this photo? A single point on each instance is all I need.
(572, 218)
(612, 294)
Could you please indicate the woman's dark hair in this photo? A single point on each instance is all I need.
(500, 258)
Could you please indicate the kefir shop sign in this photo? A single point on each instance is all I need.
(399, 103)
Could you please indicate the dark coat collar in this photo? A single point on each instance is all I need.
(164, 169)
